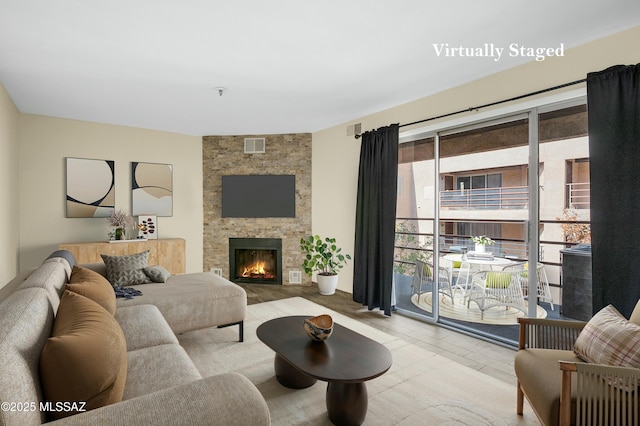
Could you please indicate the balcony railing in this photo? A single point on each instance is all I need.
(504, 198)
(579, 195)
(412, 244)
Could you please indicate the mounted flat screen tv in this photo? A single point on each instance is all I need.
(259, 196)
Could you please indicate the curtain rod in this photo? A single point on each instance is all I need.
(561, 86)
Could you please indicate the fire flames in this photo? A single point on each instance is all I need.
(256, 270)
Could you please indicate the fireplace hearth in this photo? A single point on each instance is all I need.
(255, 260)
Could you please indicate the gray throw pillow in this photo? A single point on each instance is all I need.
(126, 270)
(157, 274)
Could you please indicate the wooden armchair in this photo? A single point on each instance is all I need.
(564, 390)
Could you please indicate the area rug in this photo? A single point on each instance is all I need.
(421, 388)
(458, 311)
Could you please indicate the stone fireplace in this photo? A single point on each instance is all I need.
(284, 154)
(255, 260)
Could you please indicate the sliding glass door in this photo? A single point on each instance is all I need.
(414, 253)
(489, 163)
(520, 180)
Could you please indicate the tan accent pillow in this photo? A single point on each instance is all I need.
(608, 338)
(94, 286)
(85, 360)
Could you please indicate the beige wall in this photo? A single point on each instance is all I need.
(9, 210)
(334, 178)
(45, 142)
(336, 155)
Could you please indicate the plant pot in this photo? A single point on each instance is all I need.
(120, 234)
(327, 284)
(480, 248)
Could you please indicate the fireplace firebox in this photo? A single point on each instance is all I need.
(255, 260)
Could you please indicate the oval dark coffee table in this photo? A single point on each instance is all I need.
(345, 361)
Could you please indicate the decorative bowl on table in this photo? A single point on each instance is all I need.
(319, 328)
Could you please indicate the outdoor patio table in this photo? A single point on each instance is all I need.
(477, 264)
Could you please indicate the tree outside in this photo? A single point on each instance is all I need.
(409, 248)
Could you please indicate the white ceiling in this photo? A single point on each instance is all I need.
(288, 65)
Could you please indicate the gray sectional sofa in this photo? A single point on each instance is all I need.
(161, 384)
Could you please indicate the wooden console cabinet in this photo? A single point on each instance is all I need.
(167, 252)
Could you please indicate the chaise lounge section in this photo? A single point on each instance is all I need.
(190, 301)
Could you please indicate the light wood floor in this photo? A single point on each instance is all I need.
(486, 357)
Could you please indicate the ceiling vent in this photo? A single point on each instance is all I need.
(254, 145)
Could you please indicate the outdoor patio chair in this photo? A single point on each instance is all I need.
(544, 291)
(463, 277)
(424, 277)
(453, 267)
(457, 249)
(496, 288)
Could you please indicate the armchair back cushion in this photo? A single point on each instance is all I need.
(608, 338)
(635, 315)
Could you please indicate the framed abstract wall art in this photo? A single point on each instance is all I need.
(90, 187)
(152, 189)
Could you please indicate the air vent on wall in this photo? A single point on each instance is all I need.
(354, 129)
(254, 145)
(295, 277)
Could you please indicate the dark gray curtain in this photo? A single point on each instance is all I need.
(613, 97)
(375, 218)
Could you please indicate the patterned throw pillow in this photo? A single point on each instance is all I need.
(608, 338)
(126, 270)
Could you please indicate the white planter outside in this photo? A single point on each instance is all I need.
(480, 248)
(327, 284)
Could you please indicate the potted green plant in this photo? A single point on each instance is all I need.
(120, 220)
(324, 257)
(481, 241)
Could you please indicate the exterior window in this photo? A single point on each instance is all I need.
(486, 192)
(578, 191)
(480, 181)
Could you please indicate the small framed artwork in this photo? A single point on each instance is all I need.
(148, 226)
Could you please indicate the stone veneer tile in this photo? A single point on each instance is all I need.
(285, 154)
